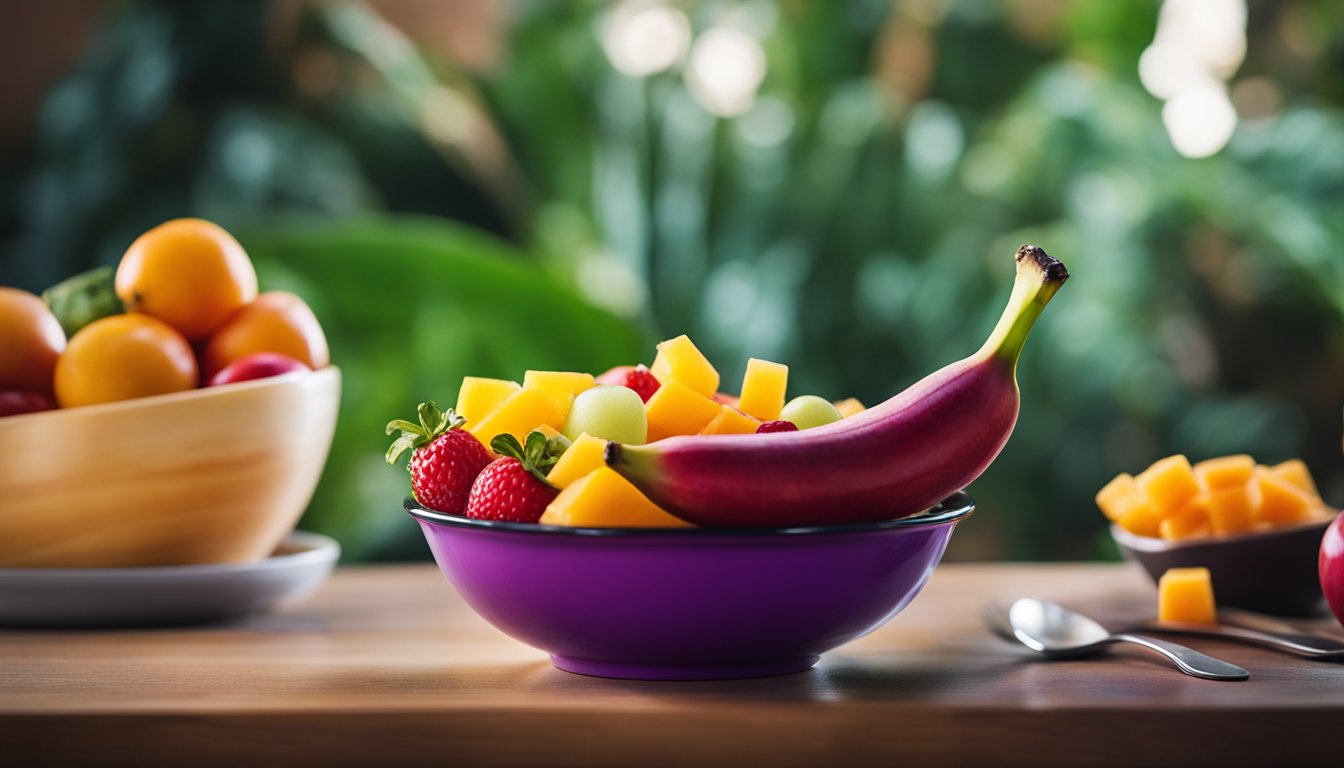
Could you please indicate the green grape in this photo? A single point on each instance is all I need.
(808, 411)
(609, 412)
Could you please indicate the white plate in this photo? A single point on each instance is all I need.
(164, 595)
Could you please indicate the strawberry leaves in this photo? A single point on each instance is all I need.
(537, 455)
(433, 422)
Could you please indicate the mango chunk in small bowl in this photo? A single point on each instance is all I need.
(1256, 528)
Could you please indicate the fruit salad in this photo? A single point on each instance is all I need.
(1224, 496)
(665, 446)
(181, 310)
(535, 451)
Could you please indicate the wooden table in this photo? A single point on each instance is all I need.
(387, 666)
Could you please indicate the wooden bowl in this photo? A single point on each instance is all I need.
(215, 475)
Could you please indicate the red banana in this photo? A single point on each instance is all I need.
(894, 459)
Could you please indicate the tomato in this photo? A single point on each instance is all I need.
(31, 340)
(188, 273)
(259, 366)
(123, 357)
(276, 322)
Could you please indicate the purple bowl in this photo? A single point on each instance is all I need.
(689, 604)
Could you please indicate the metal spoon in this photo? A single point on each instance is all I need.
(1281, 637)
(1056, 631)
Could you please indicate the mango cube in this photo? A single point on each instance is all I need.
(1169, 484)
(1232, 510)
(519, 414)
(676, 409)
(849, 407)
(582, 457)
(681, 361)
(1142, 520)
(763, 389)
(560, 386)
(1295, 472)
(1185, 596)
(1118, 497)
(1190, 522)
(1281, 503)
(479, 396)
(604, 499)
(730, 421)
(548, 431)
(1225, 471)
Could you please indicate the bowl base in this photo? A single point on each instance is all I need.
(624, 671)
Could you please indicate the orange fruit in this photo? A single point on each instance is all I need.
(189, 273)
(278, 321)
(31, 340)
(123, 357)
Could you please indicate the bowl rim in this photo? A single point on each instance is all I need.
(1137, 543)
(173, 397)
(952, 509)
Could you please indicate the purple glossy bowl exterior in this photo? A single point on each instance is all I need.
(689, 604)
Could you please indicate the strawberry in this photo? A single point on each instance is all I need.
(514, 488)
(444, 461)
(636, 377)
(778, 425)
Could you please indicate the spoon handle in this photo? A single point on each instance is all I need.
(1188, 660)
(1301, 644)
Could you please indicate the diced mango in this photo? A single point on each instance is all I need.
(676, 409)
(1232, 510)
(763, 389)
(849, 407)
(604, 499)
(730, 421)
(1281, 503)
(1141, 520)
(478, 397)
(519, 414)
(548, 431)
(1295, 472)
(1190, 522)
(681, 361)
(1225, 471)
(1169, 484)
(560, 386)
(1118, 497)
(1185, 596)
(580, 458)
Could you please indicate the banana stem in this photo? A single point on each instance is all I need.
(1039, 276)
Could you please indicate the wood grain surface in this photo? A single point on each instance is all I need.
(387, 666)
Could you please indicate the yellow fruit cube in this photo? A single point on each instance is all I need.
(1169, 484)
(681, 361)
(478, 397)
(1225, 471)
(1185, 596)
(849, 407)
(730, 421)
(604, 499)
(560, 386)
(1118, 497)
(548, 431)
(1232, 510)
(519, 414)
(763, 389)
(1191, 522)
(1141, 520)
(1295, 472)
(580, 458)
(676, 409)
(1281, 502)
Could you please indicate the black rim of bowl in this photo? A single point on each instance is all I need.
(1153, 544)
(953, 509)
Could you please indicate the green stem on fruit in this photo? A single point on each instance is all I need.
(83, 298)
(1039, 276)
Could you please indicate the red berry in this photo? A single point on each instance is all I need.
(779, 425)
(443, 471)
(15, 403)
(636, 377)
(507, 490)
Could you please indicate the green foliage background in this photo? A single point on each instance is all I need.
(857, 224)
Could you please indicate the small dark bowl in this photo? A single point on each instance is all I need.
(689, 603)
(1272, 571)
